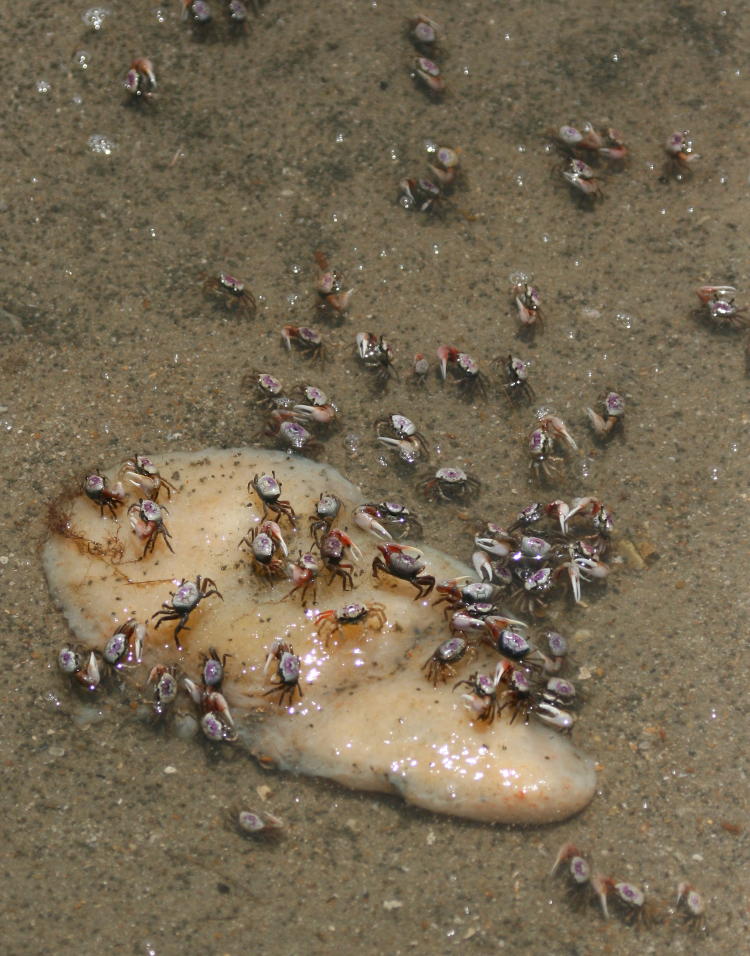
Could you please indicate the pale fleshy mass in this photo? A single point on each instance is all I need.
(368, 717)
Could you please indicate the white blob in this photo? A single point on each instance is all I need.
(369, 718)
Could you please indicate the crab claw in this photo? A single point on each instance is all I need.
(273, 531)
(365, 520)
(590, 568)
(601, 885)
(446, 353)
(218, 703)
(408, 448)
(707, 293)
(597, 422)
(561, 510)
(566, 852)
(554, 716)
(91, 675)
(194, 691)
(499, 548)
(482, 565)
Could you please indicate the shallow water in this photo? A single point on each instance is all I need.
(260, 150)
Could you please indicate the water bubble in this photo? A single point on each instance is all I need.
(43, 86)
(101, 145)
(352, 443)
(94, 17)
(624, 320)
(519, 277)
(82, 59)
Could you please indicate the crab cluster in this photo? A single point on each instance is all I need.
(628, 900)
(524, 677)
(122, 655)
(549, 549)
(290, 414)
(584, 150)
(424, 36)
(426, 193)
(200, 15)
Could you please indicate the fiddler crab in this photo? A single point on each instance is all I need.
(183, 602)
(81, 666)
(629, 899)
(95, 488)
(404, 437)
(419, 195)
(719, 299)
(449, 484)
(517, 387)
(330, 287)
(237, 15)
(610, 419)
(125, 647)
(265, 543)
(233, 292)
(423, 33)
(333, 546)
(420, 369)
(464, 369)
(481, 698)
(528, 302)
(327, 509)
(444, 164)
(165, 691)
(691, 904)
(304, 575)
(213, 669)
(318, 409)
(548, 437)
(286, 677)
(591, 143)
(461, 593)
(375, 353)
(681, 155)
(382, 518)
(257, 824)
(142, 473)
(147, 522)
(268, 387)
(331, 623)
(578, 874)
(580, 177)
(198, 12)
(306, 340)
(405, 563)
(140, 82)
(216, 719)
(426, 73)
(290, 434)
(439, 665)
(268, 489)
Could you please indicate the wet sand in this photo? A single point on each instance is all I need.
(260, 150)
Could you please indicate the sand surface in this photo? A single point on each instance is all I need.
(260, 150)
